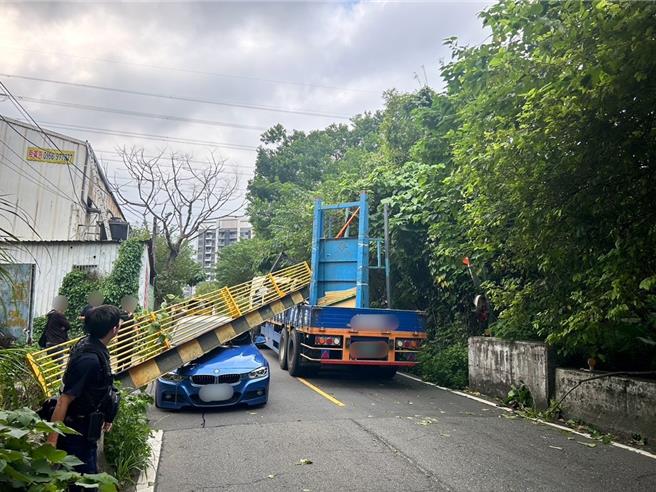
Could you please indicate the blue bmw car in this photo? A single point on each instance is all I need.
(228, 375)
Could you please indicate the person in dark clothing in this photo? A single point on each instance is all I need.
(85, 402)
(128, 306)
(94, 299)
(57, 326)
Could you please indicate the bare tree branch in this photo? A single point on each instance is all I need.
(181, 198)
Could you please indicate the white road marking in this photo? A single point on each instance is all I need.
(550, 424)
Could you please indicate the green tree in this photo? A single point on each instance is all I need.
(173, 275)
(242, 261)
(555, 164)
(206, 287)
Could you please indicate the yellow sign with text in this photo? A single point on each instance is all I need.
(53, 156)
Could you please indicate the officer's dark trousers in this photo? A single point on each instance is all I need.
(84, 450)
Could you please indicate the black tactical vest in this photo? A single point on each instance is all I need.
(100, 385)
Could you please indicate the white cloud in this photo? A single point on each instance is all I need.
(363, 48)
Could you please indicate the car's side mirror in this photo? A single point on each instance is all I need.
(260, 340)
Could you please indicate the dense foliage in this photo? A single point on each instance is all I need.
(536, 161)
(27, 462)
(18, 387)
(174, 274)
(124, 279)
(242, 261)
(126, 446)
(76, 286)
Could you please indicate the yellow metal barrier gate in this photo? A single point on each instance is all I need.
(163, 340)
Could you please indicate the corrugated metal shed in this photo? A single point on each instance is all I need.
(61, 196)
(54, 260)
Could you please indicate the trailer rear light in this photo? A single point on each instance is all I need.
(407, 343)
(323, 340)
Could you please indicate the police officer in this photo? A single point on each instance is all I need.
(88, 401)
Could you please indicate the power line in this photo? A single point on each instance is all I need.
(33, 180)
(229, 171)
(149, 136)
(200, 72)
(127, 112)
(180, 98)
(76, 201)
(179, 157)
(24, 137)
(57, 190)
(29, 116)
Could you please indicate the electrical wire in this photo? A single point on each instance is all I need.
(182, 157)
(57, 190)
(149, 136)
(139, 114)
(232, 168)
(78, 201)
(29, 116)
(199, 72)
(180, 98)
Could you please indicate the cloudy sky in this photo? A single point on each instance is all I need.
(240, 67)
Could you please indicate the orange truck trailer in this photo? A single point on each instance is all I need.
(336, 326)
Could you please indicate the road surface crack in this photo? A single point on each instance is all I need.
(395, 450)
(202, 424)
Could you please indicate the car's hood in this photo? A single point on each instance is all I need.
(239, 358)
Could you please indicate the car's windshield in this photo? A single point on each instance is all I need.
(243, 339)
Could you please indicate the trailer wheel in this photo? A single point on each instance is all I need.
(282, 349)
(294, 362)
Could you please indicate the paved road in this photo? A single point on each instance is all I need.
(397, 435)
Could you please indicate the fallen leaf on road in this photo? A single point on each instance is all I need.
(588, 444)
(409, 403)
(556, 447)
(570, 438)
(445, 435)
(508, 416)
(252, 413)
(271, 476)
(304, 461)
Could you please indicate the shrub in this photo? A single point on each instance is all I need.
(27, 462)
(206, 287)
(126, 446)
(76, 286)
(18, 386)
(124, 279)
(446, 366)
(38, 325)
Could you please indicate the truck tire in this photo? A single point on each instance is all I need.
(294, 359)
(282, 349)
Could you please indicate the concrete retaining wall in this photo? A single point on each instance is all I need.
(495, 365)
(621, 405)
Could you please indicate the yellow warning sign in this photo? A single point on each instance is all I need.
(53, 156)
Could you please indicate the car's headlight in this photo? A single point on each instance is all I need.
(260, 372)
(172, 377)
